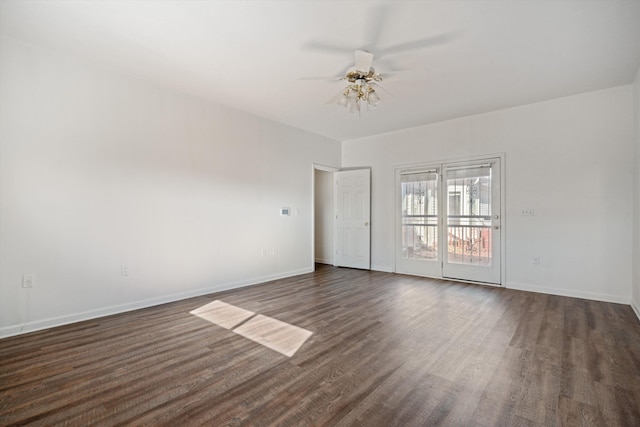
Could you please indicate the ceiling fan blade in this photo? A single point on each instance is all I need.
(363, 60)
(418, 74)
(417, 44)
(334, 98)
(327, 47)
(326, 78)
(379, 86)
(376, 25)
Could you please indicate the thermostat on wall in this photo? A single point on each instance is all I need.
(285, 211)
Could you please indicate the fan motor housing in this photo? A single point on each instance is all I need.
(355, 75)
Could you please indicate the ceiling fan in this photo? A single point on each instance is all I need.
(363, 79)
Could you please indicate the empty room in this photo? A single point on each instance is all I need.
(320, 213)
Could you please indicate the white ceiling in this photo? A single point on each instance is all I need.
(476, 56)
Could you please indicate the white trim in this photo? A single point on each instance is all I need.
(331, 169)
(454, 160)
(383, 268)
(636, 308)
(52, 322)
(503, 218)
(325, 168)
(314, 168)
(13, 330)
(451, 279)
(596, 296)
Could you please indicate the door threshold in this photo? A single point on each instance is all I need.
(472, 282)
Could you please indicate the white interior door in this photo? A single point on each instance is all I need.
(353, 216)
(473, 223)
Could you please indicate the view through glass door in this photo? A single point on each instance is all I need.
(449, 221)
(419, 236)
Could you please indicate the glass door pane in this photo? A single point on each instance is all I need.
(419, 192)
(469, 216)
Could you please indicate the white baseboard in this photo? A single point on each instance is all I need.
(38, 325)
(636, 307)
(382, 268)
(569, 293)
(373, 267)
(12, 330)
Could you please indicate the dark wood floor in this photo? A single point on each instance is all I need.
(386, 350)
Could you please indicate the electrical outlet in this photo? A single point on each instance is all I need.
(28, 280)
(536, 259)
(526, 212)
(124, 270)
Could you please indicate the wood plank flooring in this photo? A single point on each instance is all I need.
(386, 350)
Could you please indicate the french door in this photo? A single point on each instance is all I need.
(473, 223)
(450, 221)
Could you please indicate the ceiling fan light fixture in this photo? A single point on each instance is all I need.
(360, 89)
(372, 98)
(343, 100)
(354, 106)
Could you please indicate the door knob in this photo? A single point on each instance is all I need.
(366, 223)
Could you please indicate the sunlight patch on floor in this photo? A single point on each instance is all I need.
(275, 334)
(222, 314)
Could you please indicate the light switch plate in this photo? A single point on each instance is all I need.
(28, 280)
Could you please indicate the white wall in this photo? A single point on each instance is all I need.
(636, 215)
(570, 159)
(99, 170)
(324, 212)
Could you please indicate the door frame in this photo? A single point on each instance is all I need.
(397, 169)
(324, 168)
